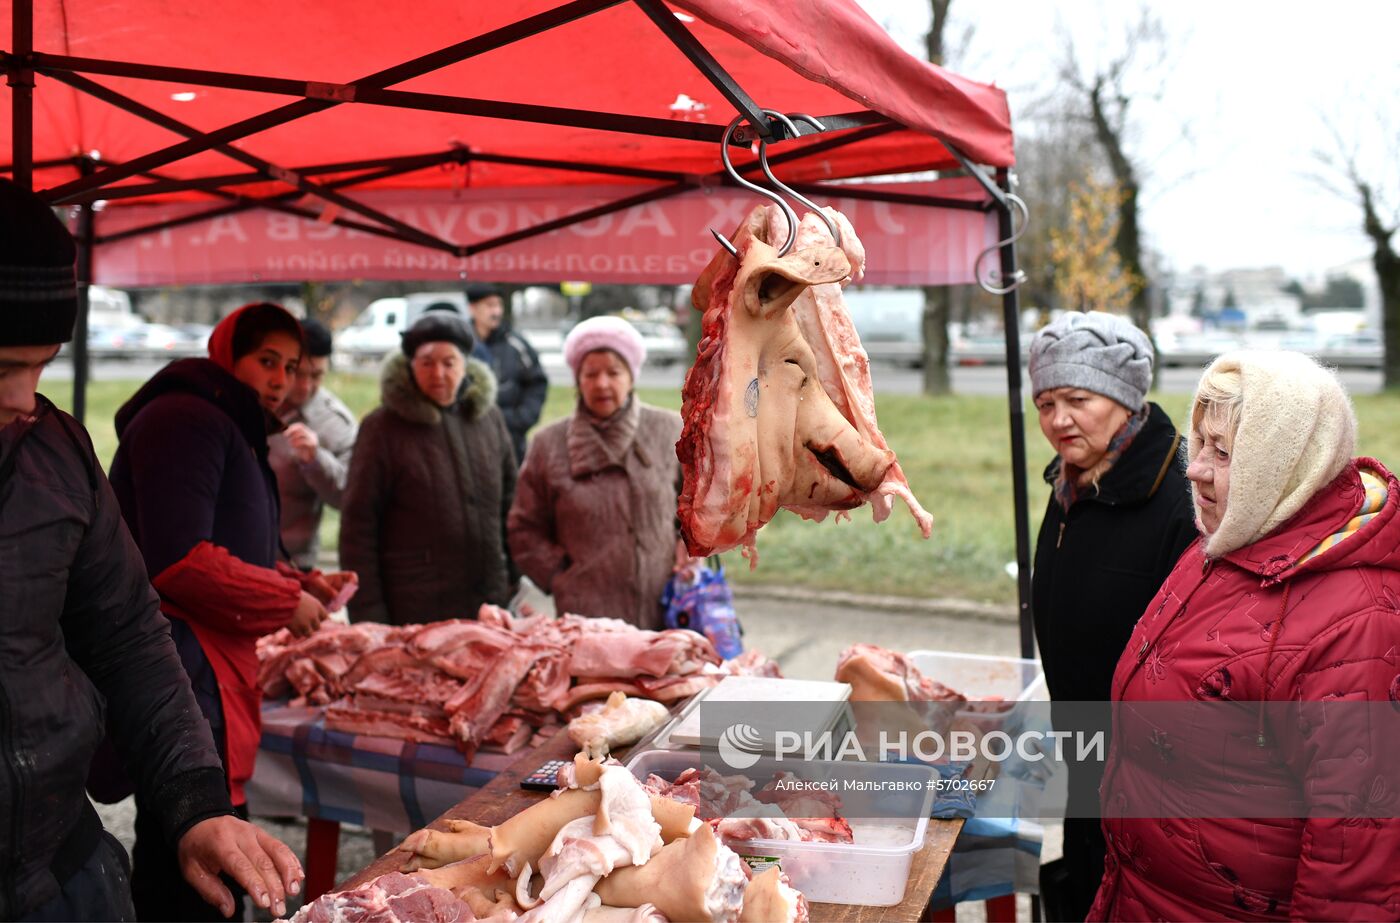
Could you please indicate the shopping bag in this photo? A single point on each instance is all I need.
(699, 598)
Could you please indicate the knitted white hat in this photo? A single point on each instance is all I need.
(605, 333)
(1296, 433)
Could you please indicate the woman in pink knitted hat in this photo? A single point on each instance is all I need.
(594, 517)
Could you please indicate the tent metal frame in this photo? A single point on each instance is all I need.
(99, 181)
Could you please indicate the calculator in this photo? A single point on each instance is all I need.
(545, 778)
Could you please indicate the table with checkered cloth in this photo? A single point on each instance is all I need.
(305, 770)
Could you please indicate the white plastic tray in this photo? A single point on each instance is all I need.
(873, 871)
(979, 676)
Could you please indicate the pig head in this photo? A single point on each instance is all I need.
(760, 432)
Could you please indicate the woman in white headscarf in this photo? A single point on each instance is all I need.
(1279, 800)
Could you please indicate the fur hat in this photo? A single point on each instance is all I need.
(1099, 352)
(1296, 433)
(605, 333)
(437, 327)
(38, 284)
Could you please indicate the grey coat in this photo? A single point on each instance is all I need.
(594, 521)
(424, 511)
(306, 488)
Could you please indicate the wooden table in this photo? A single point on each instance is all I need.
(503, 798)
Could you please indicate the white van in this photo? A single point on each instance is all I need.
(375, 333)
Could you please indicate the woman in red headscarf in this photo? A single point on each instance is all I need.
(192, 478)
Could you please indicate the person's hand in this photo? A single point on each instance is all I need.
(264, 866)
(326, 587)
(308, 616)
(303, 441)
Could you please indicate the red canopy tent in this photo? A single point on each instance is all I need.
(177, 115)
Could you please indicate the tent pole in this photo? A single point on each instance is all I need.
(1011, 317)
(81, 359)
(21, 80)
(705, 62)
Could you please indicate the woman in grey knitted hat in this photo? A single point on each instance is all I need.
(1118, 517)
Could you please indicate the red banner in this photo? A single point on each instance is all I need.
(663, 242)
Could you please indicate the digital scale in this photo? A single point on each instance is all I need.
(824, 710)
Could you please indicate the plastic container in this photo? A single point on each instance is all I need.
(980, 677)
(873, 871)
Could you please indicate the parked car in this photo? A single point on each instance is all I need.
(375, 332)
(1363, 349)
(1196, 350)
(665, 344)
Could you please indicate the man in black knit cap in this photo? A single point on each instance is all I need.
(521, 382)
(82, 634)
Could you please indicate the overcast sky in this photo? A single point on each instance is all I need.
(1228, 148)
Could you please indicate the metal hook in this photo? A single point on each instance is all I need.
(787, 121)
(991, 283)
(773, 197)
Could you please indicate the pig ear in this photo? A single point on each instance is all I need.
(754, 225)
(776, 284)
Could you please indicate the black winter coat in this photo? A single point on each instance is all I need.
(81, 635)
(521, 382)
(1099, 565)
(192, 466)
(423, 516)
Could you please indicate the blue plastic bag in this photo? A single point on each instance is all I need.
(700, 599)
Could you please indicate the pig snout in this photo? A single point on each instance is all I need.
(853, 460)
(833, 450)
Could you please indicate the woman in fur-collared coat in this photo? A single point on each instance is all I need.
(430, 483)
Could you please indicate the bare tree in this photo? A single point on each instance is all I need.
(1053, 152)
(938, 300)
(1105, 92)
(1380, 218)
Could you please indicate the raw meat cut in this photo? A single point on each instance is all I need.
(843, 367)
(771, 898)
(675, 652)
(695, 878)
(761, 428)
(620, 722)
(880, 675)
(489, 683)
(622, 833)
(392, 898)
(773, 815)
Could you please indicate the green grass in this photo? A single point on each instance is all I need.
(955, 451)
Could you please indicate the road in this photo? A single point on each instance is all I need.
(889, 379)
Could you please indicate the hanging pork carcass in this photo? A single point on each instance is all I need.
(770, 421)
